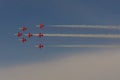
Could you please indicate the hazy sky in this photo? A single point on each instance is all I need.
(20, 61)
(17, 13)
(94, 65)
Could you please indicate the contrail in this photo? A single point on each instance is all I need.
(87, 26)
(83, 35)
(85, 46)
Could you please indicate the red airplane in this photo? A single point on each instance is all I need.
(40, 35)
(23, 28)
(29, 35)
(23, 40)
(19, 34)
(41, 26)
(40, 46)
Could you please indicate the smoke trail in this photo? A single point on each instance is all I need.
(85, 46)
(83, 35)
(87, 26)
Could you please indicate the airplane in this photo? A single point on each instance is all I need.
(19, 34)
(29, 35)
(23, 28)
(40, 26)
(23, 40)
(39, 46)
(40, 35)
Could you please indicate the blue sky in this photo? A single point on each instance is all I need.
(16, 13)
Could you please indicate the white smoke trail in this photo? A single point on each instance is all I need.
(82, 35)
(87, 26)
(85, 46)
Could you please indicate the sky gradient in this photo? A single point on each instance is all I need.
(17, 13)
(100, 65)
